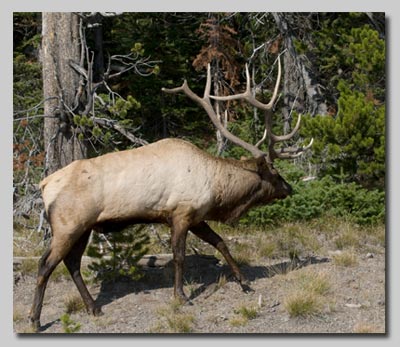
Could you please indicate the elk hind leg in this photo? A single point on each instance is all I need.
(47, 264)
(73, 263)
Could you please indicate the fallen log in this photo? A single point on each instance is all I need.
(147, 261)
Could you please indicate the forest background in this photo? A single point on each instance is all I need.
(334, 74)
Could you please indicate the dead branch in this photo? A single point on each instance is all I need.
(114, 125)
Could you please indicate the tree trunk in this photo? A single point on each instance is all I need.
(60, 44)
(301, 89)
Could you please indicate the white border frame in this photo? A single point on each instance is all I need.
(390, 7)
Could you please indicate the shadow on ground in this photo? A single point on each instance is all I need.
(199, 269)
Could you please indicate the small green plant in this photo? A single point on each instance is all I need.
(118, 253)
(69, 326)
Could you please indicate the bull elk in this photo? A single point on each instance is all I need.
(170, 181)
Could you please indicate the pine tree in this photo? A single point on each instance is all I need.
(352, 141)
(118, 253)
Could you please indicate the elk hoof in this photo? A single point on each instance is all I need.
(96, 311)
(246, 288)
(35, 325)
(244, 284)
(183, 299)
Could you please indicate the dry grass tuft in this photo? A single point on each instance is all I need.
(346, 258)
(309, 294)
(243, 314)
(303, 304)
(73, 304)
(173, 319)
(365, 328)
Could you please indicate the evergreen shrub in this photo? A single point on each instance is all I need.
(314, 199)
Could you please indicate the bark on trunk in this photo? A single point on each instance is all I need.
(301, 89)
(60, 44)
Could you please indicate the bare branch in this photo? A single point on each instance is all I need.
(79, 69)
(36, 106)
(114, 125)
(291, 153)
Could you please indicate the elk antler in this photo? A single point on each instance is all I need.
(205, 102)
(247, 95)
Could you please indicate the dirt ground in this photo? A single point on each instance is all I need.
(355, 301)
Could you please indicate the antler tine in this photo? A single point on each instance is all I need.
(183, 88)
(258, 144)
(278, 81)
(276, 138)
(247, 95)
(208, 83)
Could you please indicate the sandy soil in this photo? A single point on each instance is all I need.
(355, 301)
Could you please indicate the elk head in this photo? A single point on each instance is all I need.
(264, 158)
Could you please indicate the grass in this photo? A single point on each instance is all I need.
(251, 244)
(248, 244)
(243, 314)
(173, 319)
(243, 252)
(303, 304)
(222, 280)
(73, 304)
(347, 239)
(365, 328)
(27, 241)
(309, 293)
(17, 315)
(29, 267)
(346, 258)
(314, 282)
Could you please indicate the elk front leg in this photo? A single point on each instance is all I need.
(204, 232)
(178, 243)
